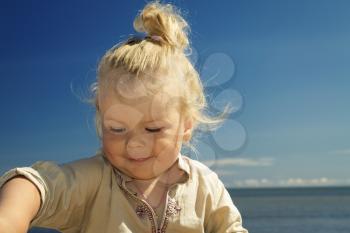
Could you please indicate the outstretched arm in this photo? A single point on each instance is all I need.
(19, 203)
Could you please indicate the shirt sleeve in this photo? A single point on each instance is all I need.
(66, 190)
(224, 217)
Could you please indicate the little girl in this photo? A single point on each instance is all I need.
(149, 100)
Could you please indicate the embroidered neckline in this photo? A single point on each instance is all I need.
(143, 210)
(172, 209)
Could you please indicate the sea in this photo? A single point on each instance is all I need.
(289, 210)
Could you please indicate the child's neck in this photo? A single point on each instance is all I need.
(161, 181)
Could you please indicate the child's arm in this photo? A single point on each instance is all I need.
(65, 190)
(224, 217)
(19, 203)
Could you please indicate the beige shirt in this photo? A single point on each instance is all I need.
(90, 196)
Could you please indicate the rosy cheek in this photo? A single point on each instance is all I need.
(113, 155)
(111, 144)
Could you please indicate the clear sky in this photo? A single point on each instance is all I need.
(283, 64)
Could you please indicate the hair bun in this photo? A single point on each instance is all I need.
(163, 20)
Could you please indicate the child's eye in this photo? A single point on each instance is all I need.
(121, 130)
(117, 130)
(154, 130)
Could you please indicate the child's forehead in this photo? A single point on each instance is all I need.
(131, 90)
(157, 107)
(131, 86)
(123, 94)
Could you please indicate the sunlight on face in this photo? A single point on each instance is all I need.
(142, 137)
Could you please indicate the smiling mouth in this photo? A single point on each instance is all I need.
(140, 159)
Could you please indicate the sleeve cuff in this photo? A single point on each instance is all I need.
(32, 175)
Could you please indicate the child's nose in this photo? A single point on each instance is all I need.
(139, 145)
(136, 142)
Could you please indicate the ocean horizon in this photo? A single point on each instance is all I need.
(289, 209)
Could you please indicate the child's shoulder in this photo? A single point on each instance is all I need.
(88, 166)
(96, 161)
(201, 173)
(195, 165)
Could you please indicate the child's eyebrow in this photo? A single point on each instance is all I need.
(158, 121)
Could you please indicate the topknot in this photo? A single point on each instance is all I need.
(163, 20)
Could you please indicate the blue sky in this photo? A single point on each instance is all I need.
(283, 63)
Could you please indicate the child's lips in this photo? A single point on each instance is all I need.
(140, 159)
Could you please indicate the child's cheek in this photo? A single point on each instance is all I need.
(113, 144)
(165, 144)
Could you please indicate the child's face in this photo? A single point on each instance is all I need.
(144, 138)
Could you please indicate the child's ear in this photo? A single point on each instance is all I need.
(188, 126)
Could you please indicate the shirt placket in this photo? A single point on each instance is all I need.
(142, 209)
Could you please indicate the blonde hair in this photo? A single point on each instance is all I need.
(162, 48)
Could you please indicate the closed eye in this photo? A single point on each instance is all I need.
(118, 130)
(154, 130)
